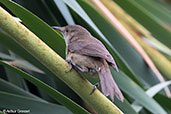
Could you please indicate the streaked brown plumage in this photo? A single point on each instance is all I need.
(88, 54)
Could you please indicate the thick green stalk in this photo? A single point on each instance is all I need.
(56, 64)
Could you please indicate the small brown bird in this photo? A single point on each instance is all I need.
(88, 54)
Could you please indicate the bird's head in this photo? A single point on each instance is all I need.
(71, 31)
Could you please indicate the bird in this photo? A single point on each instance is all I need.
(87, 54)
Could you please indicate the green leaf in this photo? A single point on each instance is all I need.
(159, 46)
(148, 21)
(15, 79)
(20, 63)
(12, 101)
(158, 87)
(5, 56)
(151, 92)
(125, 106)
(49, 90)
(11, 88)
(156, 10)
(41, 9)
(164, 102)
(65, 12)
(25, 65)
(137, 93)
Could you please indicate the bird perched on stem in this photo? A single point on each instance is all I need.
(88, 54)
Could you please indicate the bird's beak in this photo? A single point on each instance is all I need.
(61, 29)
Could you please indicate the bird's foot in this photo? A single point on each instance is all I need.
(70, 65)
(94, 88)
(81, 68)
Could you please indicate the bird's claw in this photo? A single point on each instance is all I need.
(70, 65)
(94, 88)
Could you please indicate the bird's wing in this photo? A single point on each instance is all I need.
(92, 47)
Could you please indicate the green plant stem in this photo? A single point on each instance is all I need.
(56, 64)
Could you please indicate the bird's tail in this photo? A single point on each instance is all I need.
(108, 85)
